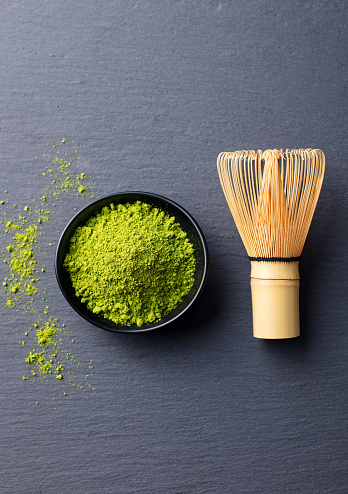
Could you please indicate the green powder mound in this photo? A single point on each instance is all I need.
(131, 263)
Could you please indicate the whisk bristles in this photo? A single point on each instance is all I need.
(272, 196)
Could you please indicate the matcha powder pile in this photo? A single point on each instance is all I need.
(131, 263)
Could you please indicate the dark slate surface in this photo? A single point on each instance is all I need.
(162, 87)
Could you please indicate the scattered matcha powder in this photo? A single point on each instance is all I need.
(131, 263)
(22, 251)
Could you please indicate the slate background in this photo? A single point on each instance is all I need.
(163, 86)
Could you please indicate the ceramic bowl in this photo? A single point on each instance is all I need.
(188, 225)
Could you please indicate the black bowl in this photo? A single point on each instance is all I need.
(188, 225)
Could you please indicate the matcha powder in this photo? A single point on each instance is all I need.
(26, 241)
(131, 263)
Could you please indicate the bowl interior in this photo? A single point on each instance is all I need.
(188, 225)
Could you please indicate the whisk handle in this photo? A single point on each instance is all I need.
(275, 297)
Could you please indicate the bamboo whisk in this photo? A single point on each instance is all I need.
(272, 196)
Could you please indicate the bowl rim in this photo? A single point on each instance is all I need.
(128, 329)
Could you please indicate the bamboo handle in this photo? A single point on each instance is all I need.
(275, 297)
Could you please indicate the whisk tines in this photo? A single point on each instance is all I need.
(272, 196)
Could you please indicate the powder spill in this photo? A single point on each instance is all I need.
(47, 343)
(131, 263)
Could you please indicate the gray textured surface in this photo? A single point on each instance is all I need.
(163, 87)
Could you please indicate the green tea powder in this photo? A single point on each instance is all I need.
(131, 263)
